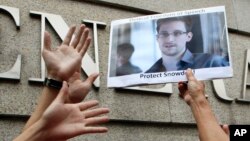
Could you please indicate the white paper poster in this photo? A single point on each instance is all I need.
(159, 48)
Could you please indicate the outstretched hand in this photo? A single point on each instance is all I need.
(78, 89)
(65, 60)
(193, 90)
(63, 121)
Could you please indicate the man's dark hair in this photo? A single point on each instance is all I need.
(186, 19)
(126, 49)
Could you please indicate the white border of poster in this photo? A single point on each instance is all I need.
(210, 37)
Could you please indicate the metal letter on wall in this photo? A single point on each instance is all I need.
(85, 61)
(15, 71)
(61, 29)
(167, 89)
(220, 90)
(246, 83)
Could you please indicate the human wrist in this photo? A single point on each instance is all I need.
(52, 83)
(46, 130)
(40, 131)
(55, 76)
(33, 133)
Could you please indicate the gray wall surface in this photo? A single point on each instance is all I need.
(135, 115)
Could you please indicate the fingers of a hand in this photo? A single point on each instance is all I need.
(80, 129)
(95, 112)
(226, 129)
(95, 129)
(182, 95)
(92, 78)
(47, 41)
(83, 39)
(63, 93)
(190, 75)
(182, 87)
(68, 37)
(88, 104)
(187, 98)
(78, 35)
(196, 88)
(85, 47)
(96, 120)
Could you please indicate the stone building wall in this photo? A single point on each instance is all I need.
(135, 115)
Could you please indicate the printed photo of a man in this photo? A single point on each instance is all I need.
(172, 36)
(160, 48)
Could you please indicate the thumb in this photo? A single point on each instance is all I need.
(62, 96)
(92, 78)
(47, 41)
(226, 129)
(190, 75)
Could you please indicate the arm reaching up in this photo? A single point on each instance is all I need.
(62, 121)
(63, 64)
(193, 93)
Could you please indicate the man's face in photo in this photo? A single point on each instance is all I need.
(122, 59)
(172, 37)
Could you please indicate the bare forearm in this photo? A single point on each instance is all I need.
(47, 96)
(208, 126)
(33, 133)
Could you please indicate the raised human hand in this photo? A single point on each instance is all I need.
(62, 121)
(78, 89)
(63, 61)
(193, 90)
